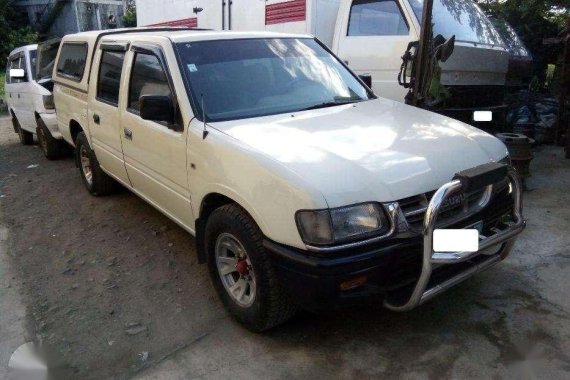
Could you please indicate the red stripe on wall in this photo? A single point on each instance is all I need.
(187, 22)
(294, 10)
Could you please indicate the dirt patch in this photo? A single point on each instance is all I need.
(111, 284)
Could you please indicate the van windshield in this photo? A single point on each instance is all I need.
(462, 18)
(244, 78)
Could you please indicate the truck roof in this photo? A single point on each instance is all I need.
(177, 34)
(23, 48)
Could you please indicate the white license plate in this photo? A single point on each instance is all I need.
(452, 240)
(483, 115)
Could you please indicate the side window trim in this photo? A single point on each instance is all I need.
(155, 50)
(106, 48)
(72, 77)
(403, 14)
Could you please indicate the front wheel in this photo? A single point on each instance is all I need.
(241, 271)
(95, 179)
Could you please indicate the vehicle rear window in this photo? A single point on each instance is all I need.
(109, 80)
(72, 60)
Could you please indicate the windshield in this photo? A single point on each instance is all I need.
(244, 78)
(514, 44)
(462, 18)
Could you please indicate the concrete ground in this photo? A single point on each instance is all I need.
(114, 288)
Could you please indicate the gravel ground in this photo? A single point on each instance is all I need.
(114, 289)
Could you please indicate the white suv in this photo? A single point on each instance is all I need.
(30, 102)
(303, 188)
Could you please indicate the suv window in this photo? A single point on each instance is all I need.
(72, 60)
(17, 62)
(109, 79)
(147, 78)
(376, 18)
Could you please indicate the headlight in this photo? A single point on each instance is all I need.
(342, 224)
(48, 102)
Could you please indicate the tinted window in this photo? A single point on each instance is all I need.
(72, 59)
(110, 76)
(147, 78)
(376, 18)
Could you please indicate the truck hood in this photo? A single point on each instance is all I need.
(378, 150)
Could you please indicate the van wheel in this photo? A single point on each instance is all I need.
(241, 271)
(26, 138)
(95, 179)
(51, 147)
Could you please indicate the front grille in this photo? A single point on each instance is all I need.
(414, 208)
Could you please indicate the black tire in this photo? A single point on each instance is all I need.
(26, 138)
(271, 305)
(52, 148)
(99, 183)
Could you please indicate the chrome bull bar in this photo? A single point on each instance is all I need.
(421, 293)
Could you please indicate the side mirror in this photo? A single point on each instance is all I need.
(447, 49)
(156, 108)
(367, 79)
(17, 73)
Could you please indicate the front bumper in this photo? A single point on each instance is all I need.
(402, 272)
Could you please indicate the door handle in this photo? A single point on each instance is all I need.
(128, 133)
(96, 118)
(18, 96)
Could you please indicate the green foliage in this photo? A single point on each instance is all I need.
(2, 82)
(130, 18)
(14, 30)
(533, 20)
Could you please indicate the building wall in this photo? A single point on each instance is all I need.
(74, 15)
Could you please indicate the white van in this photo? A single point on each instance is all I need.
(30, 103)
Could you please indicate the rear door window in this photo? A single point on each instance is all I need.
(72, 60)
(109, 79)
(18, 62)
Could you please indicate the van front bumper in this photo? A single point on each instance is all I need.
(402, 273)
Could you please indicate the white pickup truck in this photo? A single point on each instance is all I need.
(303, 188)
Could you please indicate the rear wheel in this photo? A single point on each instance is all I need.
(241, 271)
(95, 179)
(26, 138)
(51, 147)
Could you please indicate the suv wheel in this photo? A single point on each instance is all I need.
(95, 179)
(26, 138)
(241, 271)
(51, 147)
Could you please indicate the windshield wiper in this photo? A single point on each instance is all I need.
(337, 102)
